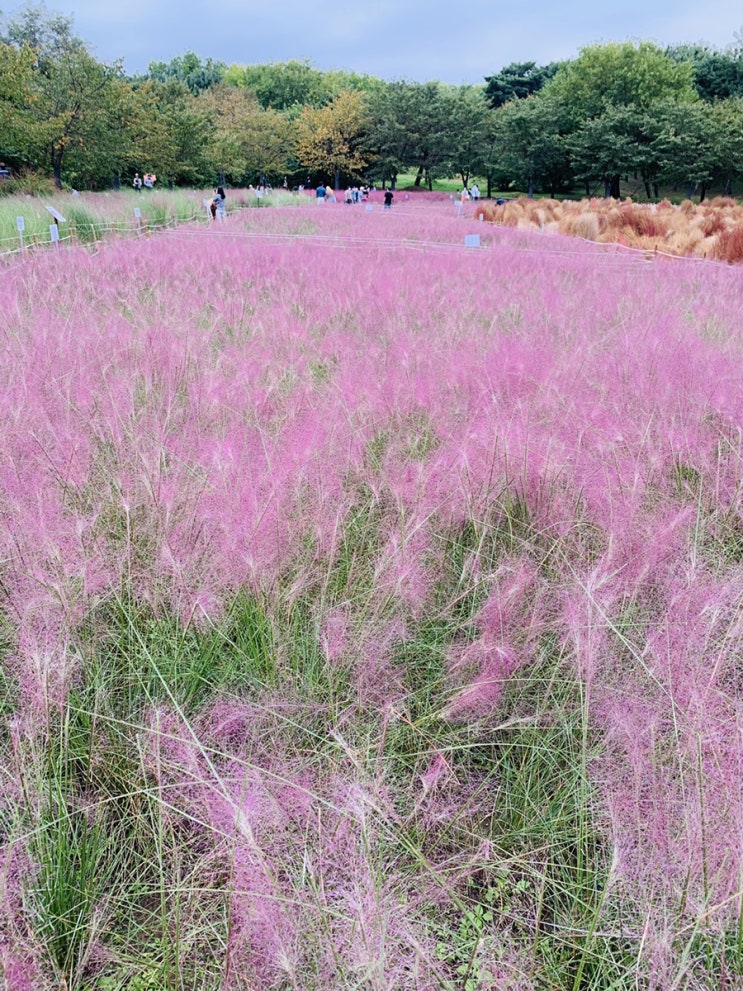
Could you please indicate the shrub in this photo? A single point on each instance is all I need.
(729, 246)
(28, 183)
(586, 225)
(712, 223)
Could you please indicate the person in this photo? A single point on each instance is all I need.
(137, 182)
(475, 192)
(388, 198)
(320, 194)
(4, 171)
(149, 181)
(218, 205)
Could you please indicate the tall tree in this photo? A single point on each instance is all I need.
(16, 76)
(465, 126)
(615, 143)
(247, 142)
(529, 144)
(329, 138)
(282, 85)
(67, 89)
(688, 145)
(517, 81)
(621, 75)
(189, 69)
(169, 131)
(717, 74)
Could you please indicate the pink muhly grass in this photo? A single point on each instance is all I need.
(184, 420)
(20, 963)
(491, 664)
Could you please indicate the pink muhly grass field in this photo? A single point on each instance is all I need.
(396, 589)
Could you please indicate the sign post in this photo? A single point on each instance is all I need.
(21, 225)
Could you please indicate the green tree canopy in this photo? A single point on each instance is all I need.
(717, 74)
(16, 76)
(516, 81)
(282, 85)
(246, 140)
(620, 75)
(329, 138)
(466, 118)
(188, 69)
(529, 146)
(66, 91)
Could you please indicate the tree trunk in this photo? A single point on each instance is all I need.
(615, 192)
(531, 189)
(418, 177)
(489, 192)
(57, 166)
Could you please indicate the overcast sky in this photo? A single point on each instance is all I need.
(405, 39)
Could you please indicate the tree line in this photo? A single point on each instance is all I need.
(670, 116)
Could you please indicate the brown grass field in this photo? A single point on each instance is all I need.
(712, 229)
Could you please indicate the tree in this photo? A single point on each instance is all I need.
(727, 128)
(616, 143)
(395, 126)
(620, 75)
(247, 141)
(66, 90)
(529, 144)
(687, 145)
(329, 137)
(16, 74)
(282, 85)
(408, 130)
(465, 126)
(517, 81)
(188, 69)
(718, 75)
(168, 131)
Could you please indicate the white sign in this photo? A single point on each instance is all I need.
(472, 240)
(54, 232)
(137, 212)
(20, 223)
(57, 216)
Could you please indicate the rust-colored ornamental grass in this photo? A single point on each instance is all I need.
(708, 230)
(371, 606)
